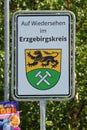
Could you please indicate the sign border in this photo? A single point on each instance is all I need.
(15, 53)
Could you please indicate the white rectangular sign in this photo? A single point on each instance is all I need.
(42, 55)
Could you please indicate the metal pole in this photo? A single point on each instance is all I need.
(42, 115)
(6, 43)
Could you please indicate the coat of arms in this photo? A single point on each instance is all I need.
(43, 67)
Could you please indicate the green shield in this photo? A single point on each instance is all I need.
(43, 68)
(43, 79)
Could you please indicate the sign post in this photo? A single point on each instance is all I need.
(6, 43)
(42, 115)
(43, 57)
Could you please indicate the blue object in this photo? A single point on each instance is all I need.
(3, 122)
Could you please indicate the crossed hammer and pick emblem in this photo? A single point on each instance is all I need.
(43, 78)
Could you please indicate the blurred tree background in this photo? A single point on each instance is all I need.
(63, 115)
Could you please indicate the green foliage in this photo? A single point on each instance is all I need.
(1, 51)
(29, 115)
(69, 115)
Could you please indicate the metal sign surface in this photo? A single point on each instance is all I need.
(43, 55)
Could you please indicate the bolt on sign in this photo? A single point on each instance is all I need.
(43, 55)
